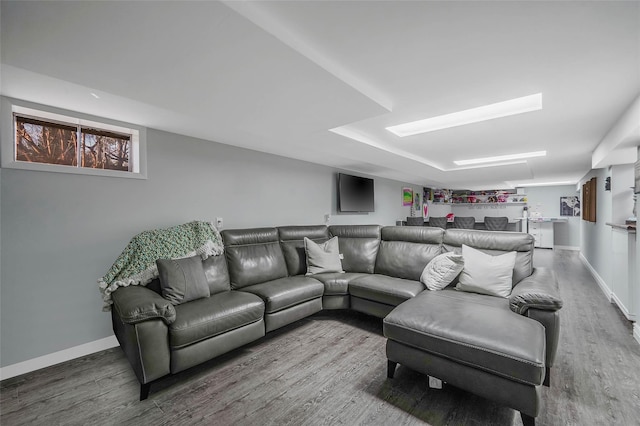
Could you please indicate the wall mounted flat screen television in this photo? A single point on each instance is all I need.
(355, 194)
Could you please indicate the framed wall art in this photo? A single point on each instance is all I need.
(407, 196)
(570, 206)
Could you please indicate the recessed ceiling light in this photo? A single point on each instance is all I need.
(501, 158)
(566, 182)
(473, 115)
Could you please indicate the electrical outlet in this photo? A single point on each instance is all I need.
(327, 218)
(219, 222)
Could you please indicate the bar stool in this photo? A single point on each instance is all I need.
(464, 222)
(493, 223)
(438, 222)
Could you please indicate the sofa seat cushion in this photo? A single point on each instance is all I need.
(483, 335)
(208, 317)
(483, 299)
(337, 283)
(385, 289)
(286, 292)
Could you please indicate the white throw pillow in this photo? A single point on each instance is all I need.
(322, 258)
(487, 274)
(442, 270)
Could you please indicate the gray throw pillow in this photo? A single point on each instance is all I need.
(487, 274)
(322, 258)
(442, 270)
(182, 280)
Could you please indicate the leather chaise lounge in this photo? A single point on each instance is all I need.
(474, 341)
(498, 348)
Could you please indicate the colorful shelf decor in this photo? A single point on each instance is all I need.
(477, 197)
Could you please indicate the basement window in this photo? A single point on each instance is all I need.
(47, 141)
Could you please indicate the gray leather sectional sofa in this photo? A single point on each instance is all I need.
(499, 348)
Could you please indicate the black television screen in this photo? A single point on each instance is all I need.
(355, 194)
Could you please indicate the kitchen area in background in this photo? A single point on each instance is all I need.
(550, 213)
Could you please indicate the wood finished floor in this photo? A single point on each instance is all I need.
(330, 369)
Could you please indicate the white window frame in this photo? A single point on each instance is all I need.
(11, 107)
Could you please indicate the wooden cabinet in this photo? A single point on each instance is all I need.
(589, 191)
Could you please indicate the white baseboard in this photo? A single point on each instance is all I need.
(573, 248)
(603, 286)
(57, 357)
(636, 332)
(623, 308)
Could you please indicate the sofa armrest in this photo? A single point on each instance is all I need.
(538, 291)
(551, 322)
(136, 303)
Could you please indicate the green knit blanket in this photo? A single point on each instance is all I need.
(136, 265)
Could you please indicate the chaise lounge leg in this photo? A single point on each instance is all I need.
(391, 368)
(528, 420)
(547, 377)
(435, 383)
(144, 391)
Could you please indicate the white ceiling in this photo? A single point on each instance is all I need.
(277, 76)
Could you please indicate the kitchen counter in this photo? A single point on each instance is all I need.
(547, 219)
(542, 229)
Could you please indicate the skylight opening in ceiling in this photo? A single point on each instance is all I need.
(509, 157)
(473, 115)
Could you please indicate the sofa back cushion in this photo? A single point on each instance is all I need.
(495, 243)
(359, 246)
(215, 269)
(406, 250)
(253, 256)
(292, 245)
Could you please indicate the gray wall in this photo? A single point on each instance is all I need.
(614, 206)
(546, 199)
(637, 269)
(61, 232)
(595, 244)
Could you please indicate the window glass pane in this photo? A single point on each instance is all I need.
(42, 142)
(105, 151)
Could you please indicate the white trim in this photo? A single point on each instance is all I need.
(573, 248)
(57, 357)
(625, 311)
(603, 286)
(55, 168)
(636, 332)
